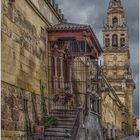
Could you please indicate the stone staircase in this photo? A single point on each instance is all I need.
(64, 128)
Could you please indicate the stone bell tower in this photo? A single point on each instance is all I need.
(117, 57)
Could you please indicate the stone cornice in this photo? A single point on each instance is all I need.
(105, 29)
(41, 15)
(117, 49)
(53, 9)
(38, 12)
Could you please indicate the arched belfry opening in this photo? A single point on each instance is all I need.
(115, 21)
(115, 40)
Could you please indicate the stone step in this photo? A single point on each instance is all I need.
(60, 107)
(62, 112)
(65, 123)
(66, 119)
(64, 115)
(65, 110)
(56, 138)
(58, 134)
(63, 129)
(62, 126)
(54, 129)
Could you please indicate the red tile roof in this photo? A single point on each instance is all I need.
(68, 26)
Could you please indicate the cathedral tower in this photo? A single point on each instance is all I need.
(117, 57)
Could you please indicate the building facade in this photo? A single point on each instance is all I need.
(40, 77)
(116, 66)
(50, 68)
(24, 65)
(73, 57)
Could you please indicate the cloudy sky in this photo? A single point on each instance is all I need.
(93, 12)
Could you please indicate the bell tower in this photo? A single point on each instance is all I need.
(117, 57)
(115, 31)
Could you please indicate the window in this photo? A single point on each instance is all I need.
(115, 21)
(107, 42)
(114, 40)
(122, 42)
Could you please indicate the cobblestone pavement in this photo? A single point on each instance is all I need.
(131, 138)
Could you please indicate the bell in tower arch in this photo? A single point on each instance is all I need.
(115, 40)
(115, 21)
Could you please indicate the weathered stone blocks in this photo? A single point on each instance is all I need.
(15, 115)
(13, 108)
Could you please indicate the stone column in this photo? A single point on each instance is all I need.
(70, 76)
(55, 78)
(61, 73)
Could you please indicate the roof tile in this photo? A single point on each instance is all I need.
(68, 26)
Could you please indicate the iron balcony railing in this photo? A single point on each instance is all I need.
(73, 48)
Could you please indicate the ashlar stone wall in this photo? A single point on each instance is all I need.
(20, 111)
(24, 63)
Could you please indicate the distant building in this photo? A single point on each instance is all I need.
(117, 95)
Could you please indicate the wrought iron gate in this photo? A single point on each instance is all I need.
(72, 73)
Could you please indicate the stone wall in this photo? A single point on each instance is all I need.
(17, 119)
(91, 130)
(24, 62)
(112, 117)
(24, 46)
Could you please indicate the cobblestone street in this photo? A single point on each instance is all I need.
(132, 138)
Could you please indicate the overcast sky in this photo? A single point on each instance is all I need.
(93, 12)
